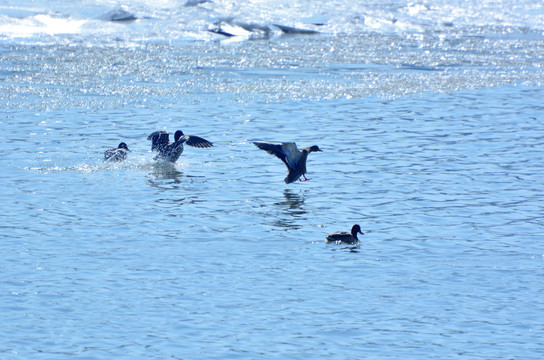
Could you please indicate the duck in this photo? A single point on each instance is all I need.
(117, 154)
(344, 237)
(171, 151)
(292, 157)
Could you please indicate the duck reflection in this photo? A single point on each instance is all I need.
(164, 174)
(293, 210)
(347, 248)
(293, 201)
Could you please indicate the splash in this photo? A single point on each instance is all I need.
(143, 164)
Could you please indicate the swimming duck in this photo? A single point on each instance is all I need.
(117, 154)
(344, 237)
(170, 151)
(292, 157)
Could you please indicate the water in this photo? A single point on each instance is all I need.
(429, 115)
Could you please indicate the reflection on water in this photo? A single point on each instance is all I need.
(163, 173)
(294, 201)
(292, 210)
(344, 247)
(165, 176)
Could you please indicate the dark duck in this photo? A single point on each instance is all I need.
(117, 154)
(292, 157)
(171, 151)
(344, 237)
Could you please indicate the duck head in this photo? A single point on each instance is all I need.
(356, 229)
(123, 146)
(314, 148)
(178, 135)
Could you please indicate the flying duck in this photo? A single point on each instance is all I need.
(170, 151)
(344, 237)
(117, 154)
(292, 157)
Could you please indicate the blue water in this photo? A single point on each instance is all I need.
(430, 121)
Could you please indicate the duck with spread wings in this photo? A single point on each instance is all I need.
(171, 151)
(292, 157)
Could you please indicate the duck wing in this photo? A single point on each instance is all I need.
(159, 139)
(115, 155)
(197, 141)
(292, 154)
(339, 236)
(110, 153)
(274, 149)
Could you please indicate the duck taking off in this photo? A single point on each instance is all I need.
(170, 151)
(344, 237)
(292, 157)
(117, 154)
